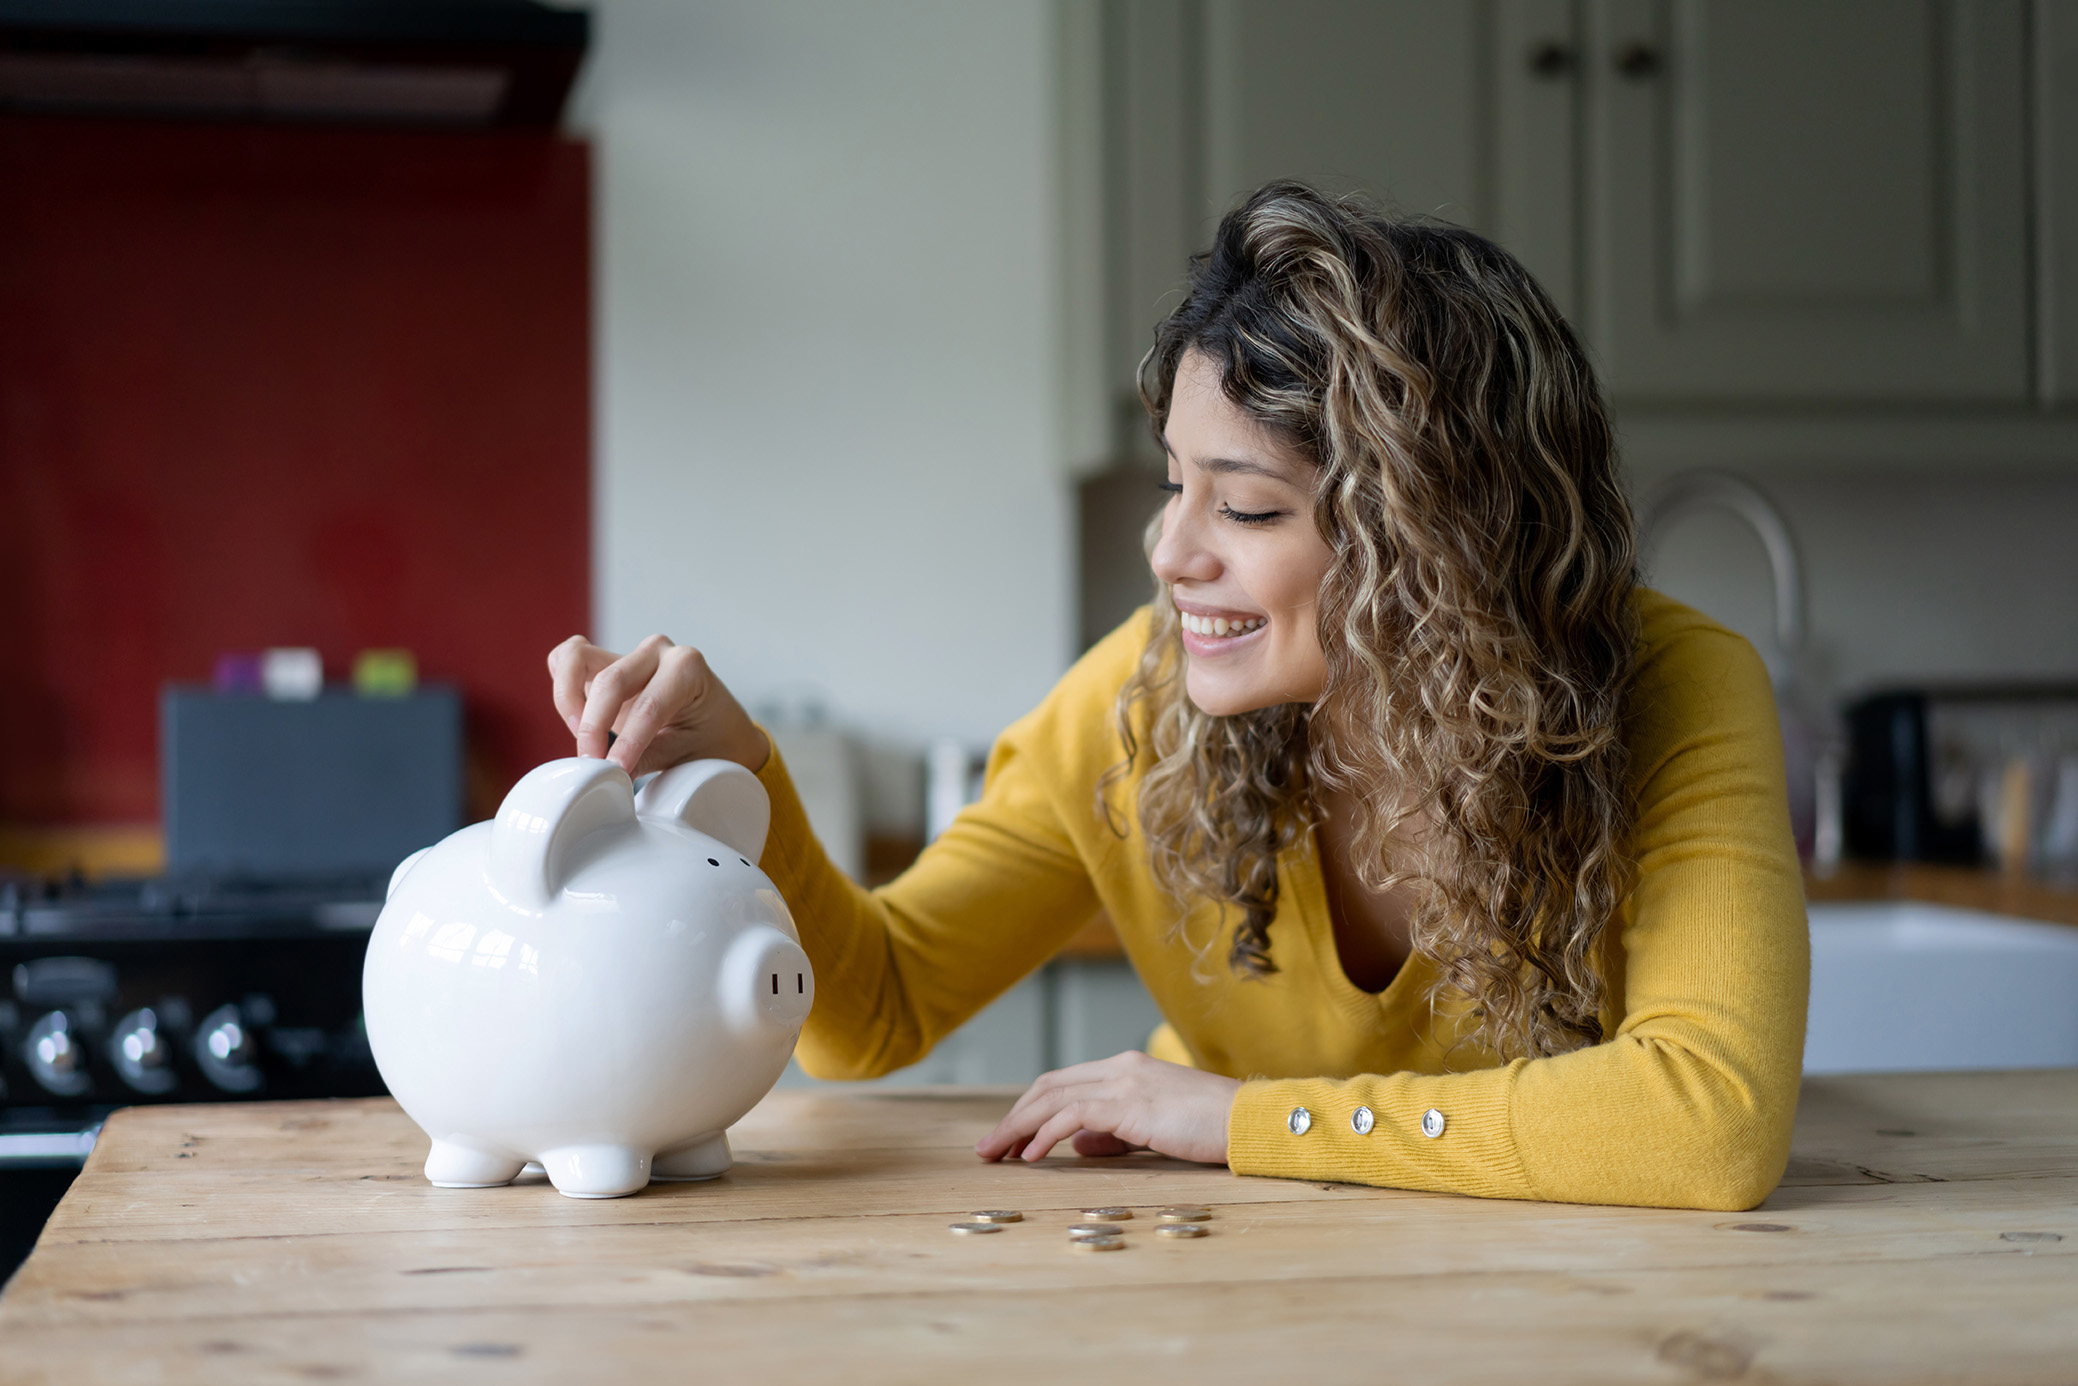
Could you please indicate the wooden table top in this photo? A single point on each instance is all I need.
(1927, 1231)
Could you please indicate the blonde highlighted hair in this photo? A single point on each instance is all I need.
(1476, 618)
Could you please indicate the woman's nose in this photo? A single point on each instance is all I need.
(1180, 554)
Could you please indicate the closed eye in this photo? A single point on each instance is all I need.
(1174, 488)
(1249, 517)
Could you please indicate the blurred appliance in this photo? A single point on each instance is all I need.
(824, 765)
(338, 787)
(952, 780)
(1966, 775)
(387, 62)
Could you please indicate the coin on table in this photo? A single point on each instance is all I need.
(1094, 1229)
(998, 1215)
(974, 1229)
(1183, 1230)
(1108, 1214)
(1097, 1243)
(1191, 1214)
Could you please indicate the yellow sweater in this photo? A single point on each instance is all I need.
(1687, 1104)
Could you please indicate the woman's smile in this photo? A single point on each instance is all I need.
(1209, 633)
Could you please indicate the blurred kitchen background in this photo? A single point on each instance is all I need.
(355, 352)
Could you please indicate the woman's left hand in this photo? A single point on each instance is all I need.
(1126, 1102)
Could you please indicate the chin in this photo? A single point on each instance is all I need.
(1224, 698)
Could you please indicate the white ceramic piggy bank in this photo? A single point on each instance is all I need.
(595, 981)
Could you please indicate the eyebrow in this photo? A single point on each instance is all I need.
(1234, 464)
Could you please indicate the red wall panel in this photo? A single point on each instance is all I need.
(273, 386)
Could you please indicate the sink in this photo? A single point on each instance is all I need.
(1899, 986)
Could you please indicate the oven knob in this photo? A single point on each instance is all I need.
(54, 1056)
(140, 1053)
(225, 1050)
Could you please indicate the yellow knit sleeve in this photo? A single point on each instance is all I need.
(1689, 1102)
(998, 893)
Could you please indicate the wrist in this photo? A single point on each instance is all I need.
(754, 747)
(1226, 1124)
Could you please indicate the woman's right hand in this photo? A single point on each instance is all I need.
(661, 701)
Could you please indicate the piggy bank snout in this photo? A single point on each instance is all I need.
(766, 982)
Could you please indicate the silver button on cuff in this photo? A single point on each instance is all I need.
(1361, 1121)
(1300, 1121)
(1432, 1123)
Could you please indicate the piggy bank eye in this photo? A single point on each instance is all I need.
(712, 862)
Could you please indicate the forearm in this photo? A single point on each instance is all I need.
(1637, 1121)
(863, 1023)
(900, 967)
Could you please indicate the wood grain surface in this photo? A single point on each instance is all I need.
(1927, 1232)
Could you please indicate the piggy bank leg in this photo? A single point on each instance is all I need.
(703, 1159)
(596, 1171)
(451, 1166)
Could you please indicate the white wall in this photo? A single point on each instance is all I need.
(828, 439)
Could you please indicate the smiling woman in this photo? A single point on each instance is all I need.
(1493, 843)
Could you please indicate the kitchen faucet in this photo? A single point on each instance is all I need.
(1812, 764)
(1703, 490)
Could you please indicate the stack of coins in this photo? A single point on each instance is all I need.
(1183, 1223)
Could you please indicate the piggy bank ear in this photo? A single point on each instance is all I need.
(549, 812)
(716, 797)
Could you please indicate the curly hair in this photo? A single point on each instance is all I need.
(1476, 619)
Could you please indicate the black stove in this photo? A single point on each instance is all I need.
(180, 990)
(168, 990)
(235, 977)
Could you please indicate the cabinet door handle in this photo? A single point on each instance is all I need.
(1551, 59)
(1638, 61)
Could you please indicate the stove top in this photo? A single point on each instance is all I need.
(170, 907)
(177, 989)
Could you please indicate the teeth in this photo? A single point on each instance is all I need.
(1217, 626)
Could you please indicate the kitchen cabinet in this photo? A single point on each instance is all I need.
(2054, 82)
(1459, 111)
(1799, 202)
(1740, 202)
